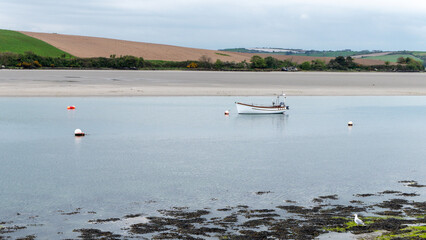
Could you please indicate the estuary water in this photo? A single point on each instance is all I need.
(142, 154)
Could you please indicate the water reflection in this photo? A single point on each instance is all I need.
(71, 114)
(268, 122)
(349, 130)
(77, 141)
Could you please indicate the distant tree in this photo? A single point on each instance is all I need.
(130, 61)
(287, 63)
(257, 62)
(409, 60)
(245, 64)
(205, 62)
(141, 62)
(414, 65)
(9, 59)
(401, 60)
(305, 66)
(318, 65)
(350, 62)
(241, 65)
(341, 61)
(272, 62)
(218, 64)
(29, 57)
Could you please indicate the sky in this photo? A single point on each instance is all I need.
(218, 24)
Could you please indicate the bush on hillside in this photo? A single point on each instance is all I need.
(31, 60)
(205, 62)
(305, 66)
(192, 65)
(272, 63)
(257, 62)
(318, 65)
(218, 64)
(342, 63)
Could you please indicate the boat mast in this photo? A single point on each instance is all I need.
(284, 97)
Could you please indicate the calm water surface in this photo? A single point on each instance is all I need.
(150, 153)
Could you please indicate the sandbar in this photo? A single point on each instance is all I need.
(75, 83)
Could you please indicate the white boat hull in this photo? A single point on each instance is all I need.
(243, 108)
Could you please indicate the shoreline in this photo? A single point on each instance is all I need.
(122, 83)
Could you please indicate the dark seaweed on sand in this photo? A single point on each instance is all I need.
(287, 221)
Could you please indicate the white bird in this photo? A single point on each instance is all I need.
(358, 221)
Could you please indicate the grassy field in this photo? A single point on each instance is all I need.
(222, 54)
(16, 42)
(328, 53)
(311, 53)
(419, 53)
(394, 57)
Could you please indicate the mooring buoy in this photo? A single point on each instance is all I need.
(350, 123)
(227, 112)
(72, 107)
(79, 133)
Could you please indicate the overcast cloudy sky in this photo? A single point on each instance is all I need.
(216, 24)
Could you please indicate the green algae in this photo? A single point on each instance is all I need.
(372, 219)
(351, 224)
(411, 232)
(342, 228)
(347, 226)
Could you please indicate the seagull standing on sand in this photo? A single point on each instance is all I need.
(358, 221)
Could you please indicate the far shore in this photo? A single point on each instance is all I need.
(74, 83)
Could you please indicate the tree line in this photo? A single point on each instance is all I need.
(30, 60)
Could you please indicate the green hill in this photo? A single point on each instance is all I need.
(15, 42)
(394, 57)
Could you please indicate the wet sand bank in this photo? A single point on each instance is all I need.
(72, 83)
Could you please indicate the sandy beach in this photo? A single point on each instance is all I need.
(73, 83)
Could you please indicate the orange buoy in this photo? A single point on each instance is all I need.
(79, 133)
(72, 107)
(227, 112)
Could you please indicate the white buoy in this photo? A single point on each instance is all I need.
(227, 112)
(79, 133)
(350, 123)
